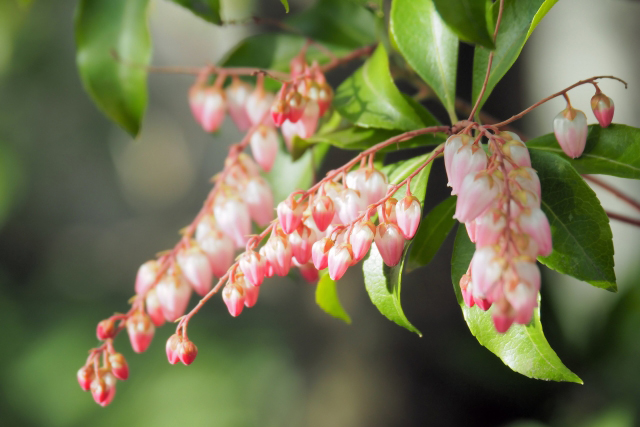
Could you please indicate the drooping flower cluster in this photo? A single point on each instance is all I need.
(499, 203)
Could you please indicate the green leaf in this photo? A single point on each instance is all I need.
(383, 285)
(468, 18)
(519, 18)
(523, 348)
(118, 88)
(401, 170)
(614, 150)
(336, 22)
(428, 45)
(370, 98)
(357, 138)
(285, 3)
(582, 239)
(327, 298)
(209, 10)
(434, 229)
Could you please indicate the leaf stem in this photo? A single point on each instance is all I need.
(615, 191)
(623, 218)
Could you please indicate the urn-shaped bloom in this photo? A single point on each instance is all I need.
(141, 330)
(172, 348)
(603, 108)
(253, 267)
(323, 211)
(85, 376)
(477, 193)
(146, 277)
(233, 297)
(213, 109)
(119, 366)
(535, 223)
(390, 243)
(340, 258)
(468, 160)
(264, 146)
(290, 214)
(259, 200)
(361, 238)
(173, 293)
(233, 218)
(194, 264)
(570, 128)
(408, 213)
(237, 94)
(320, 253)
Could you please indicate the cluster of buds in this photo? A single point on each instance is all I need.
(499, 203)
(101, 378)
(570, 125)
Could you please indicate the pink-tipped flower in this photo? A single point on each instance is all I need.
(85, 376)
(603, 108)
(408, 214)
(370, 183)
(301, 242)
(259, 200)
(290, 214)
(146, 277)
(106, 329)
(174, 343)
(502, 321)
(233, 297)
(527, 179)
(482, 303)
(465, 290)
(323, 212)
(253, 267)
(187, 352)
(237, 95)
(486, 271)
(213, 109)
(451, 147)
(535, 223)
(570, 128)
(278, 253)
(173, 293)
(340, 258)
(264, 146)
(141, 330)
(103, 387)
(309, 272)
(477, 193)
(251, 292)
(119, 366)
(320, 252)
(258, 105)
(196, 268)
(522, 291)
(197, 96)
(489, 228)
(350, 205)
(361, 238)
(154, 309)
(518, 153)
(233, 218)
(279, 110)
(219, 249)
(325, 96)
(387, 210)
(390, 243)
(468, 160)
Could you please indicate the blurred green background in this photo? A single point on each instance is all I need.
(82, 205)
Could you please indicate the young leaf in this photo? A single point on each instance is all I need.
(383, 285)
(523, 348)
(118, 88)
(357, 138)
(370, 98)
(614, 150)
(582, 239)
(429, 46)
(434, 229)
(327, 298)
(209, 10)
(519, 18)
(285, 3)
(468, 18)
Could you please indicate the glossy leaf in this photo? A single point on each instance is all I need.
(357, 138)
(285, 3)
(327, 298)
(402, 170)
(209, 10)
(336, 22)
(523, 348)
(582, 239)
(117, 88)
(468, 19)
(614, 150)
(428, 45)
(434, 229)
(383, 285)
(519, 19)
(370, 98)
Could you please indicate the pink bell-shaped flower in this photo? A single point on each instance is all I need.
(370, 183)
(489, 228)
(146, 277)
(527, 179)
(173, 293)
(259, 200)
(197, 96)
(390, 243)
(320, 252)
(290, 214)
(103, 387)
(486, 271)
(279, 254)
(119, 366)
(465, 290)
(309, 272)
(258, 105)
(237, 95)
(141, 330)
(340, 258)
(603, 108)
(535, 223)
(469, 160)
(219, 249)
(233, 297)
(213, 109)
(106, 329)
(187, 352)
(253, 267)
(361, 238)
(194, 264)
(451, 147)
(233, 218)
(408, 214)
(264, 146)
(570, 128)
(350, 205)
(522, 291)
(153, 307)
(251, 292)
(387, 210)
(323, 211)
(477, 193)
(502, 321)
(301, 242)
(172, 348)
(85, 376)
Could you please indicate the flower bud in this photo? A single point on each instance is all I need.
(146, 277)
(390, 243)
(501, 321)
(570, 128)
(301, 242)
(103, 388)
(233, 297)
(251, 292)
(119, 366)
(465, 290)
(350, 205)
(253, 267)
(408, 214)
(237, 94)
(482, 303)
(451, 147)
(213, 109)
(320, 253)
(174, 343)
(290, 214)
(309, 272)
(258, 105)
(173, 293)
(387, 210)
(259, 200)
(522, 291)
(187, 352)
(486, 270)
(140, 329)
(340, 258)
(477, 192)
(325, 96)
(323, 212)
(197, 96)
(233, 218)
(264, 146)
(279, 110)
(603, 108)
(219, 249)
(196, 268)
(278, 253)
(489, 228)
(468, 160)
(297, 105)
(361, 238)
(535, 223)
(85, 376)
(527, 179)
(154, 309)
(370, 183)
(106, 329)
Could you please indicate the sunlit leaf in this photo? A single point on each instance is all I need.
(468, 19)
(208, 10)
(327, 298)
(285, 3)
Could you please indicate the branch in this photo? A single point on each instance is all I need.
(623, 218)
(616, 192)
